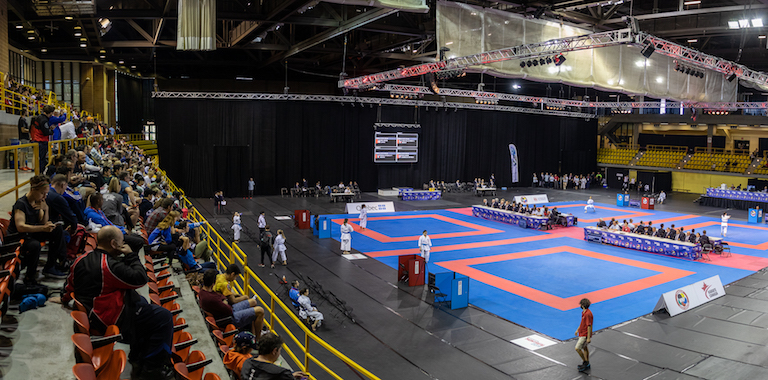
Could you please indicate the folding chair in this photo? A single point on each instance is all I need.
(705, 250)
(439, 296)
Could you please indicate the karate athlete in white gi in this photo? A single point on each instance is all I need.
(346, 237)
(363, 217)
(425, 244)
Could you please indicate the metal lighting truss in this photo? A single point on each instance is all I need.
(362, 101)
(700, 59)
(483, 95)
(560, 45)
(395, 125)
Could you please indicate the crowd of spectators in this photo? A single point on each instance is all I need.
(110, 188)
(302, 188)
(554, 215)
(568, 181)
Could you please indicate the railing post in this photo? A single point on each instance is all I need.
(16, 169)
(36, 153)
(306, 351)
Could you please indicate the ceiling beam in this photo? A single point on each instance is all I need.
(690, 12)
(140, 30)
(351, 24)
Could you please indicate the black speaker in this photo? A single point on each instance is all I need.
(647, 50)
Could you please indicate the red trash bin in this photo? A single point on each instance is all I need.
(301, 217)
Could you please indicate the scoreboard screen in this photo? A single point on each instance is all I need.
(394, 147)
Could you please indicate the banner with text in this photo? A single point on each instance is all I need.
(515, 168)
(373, 207)
(690, 296)
(532, 199)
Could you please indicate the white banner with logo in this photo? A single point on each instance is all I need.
(690, 296)
(532, 199)
(515, 165)
(373, 207)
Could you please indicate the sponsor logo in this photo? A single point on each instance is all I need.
(524, 200)
(709, 291)
(682, 299)
(752, 213)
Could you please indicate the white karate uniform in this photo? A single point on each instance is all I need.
(236, 226)
(279, 248)
(590, 207)
(363, 217)
(724, 224)
(662, 197)
(308, 309)
(262, 222)
(346, 237)
(425, 244)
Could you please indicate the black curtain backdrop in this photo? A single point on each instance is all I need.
(209, 145)
(134, 102)
(615, 177)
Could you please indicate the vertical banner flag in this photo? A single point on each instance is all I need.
(513, 156)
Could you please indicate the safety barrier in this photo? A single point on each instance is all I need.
(226, 254)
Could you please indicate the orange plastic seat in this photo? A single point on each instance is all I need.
(193, 368)
(222, 338)
(182, 337)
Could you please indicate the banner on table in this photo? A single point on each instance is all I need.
(373, 207)
(515, 168)
(690, 296)
(532, 199)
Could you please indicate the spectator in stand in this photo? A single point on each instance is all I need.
(104, 281)
(59, 207)
(40, 131)
(68, 129)
(294, 293)
(94, 214)
(162, 208)
(164, 237)
(30, 217)
(113, 203)
(263, 367)
(224, 285)
(245, 342)
(244, 315)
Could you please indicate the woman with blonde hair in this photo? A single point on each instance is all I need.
(279, 247)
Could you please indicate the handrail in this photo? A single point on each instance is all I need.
(15, 148)
(672, 148)
(226, 254)
(738, 152)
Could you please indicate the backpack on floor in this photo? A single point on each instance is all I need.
(76, 245)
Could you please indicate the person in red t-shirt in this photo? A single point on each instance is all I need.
(585, 334)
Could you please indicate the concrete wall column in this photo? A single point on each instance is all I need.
(5, 64)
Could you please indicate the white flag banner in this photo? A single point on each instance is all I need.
(515, 169)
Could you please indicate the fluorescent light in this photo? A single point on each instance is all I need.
(243, 78)
(733, 24)
(68, 17)
(31, 37)
(659, 80)
(78, 34)
(516, 86)
(449, 43)
(83, 45)
(692, 2)
(757, 23)
(744, 23)
(43, 50)
(692, 41)
(121, 61)
(761, 37)
(102, 56)
(19, 26)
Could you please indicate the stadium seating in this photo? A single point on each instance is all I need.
(620, 156)
(721, 162)
(661, 158)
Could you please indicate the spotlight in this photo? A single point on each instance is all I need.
(648, 50)
(731, 77)
(559, 60)
(542, 61)
(529, 64)
(549, 60)
(535, 62)
(522, 64)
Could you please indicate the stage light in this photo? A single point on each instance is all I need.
(731, 77)
(549, 60)
(542, 61)
(535, 62)
(522, 64)
(529, 64)
(559, 60)
(733, 24)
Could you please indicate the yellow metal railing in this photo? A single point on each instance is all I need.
(16, 163)
(226, 254)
